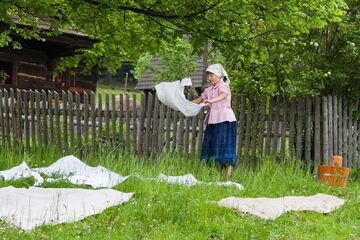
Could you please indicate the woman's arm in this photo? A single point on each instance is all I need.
(198, 100)
(221, 96)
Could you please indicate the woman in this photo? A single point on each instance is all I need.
(220, 135)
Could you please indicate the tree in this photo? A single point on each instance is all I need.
(265, 43)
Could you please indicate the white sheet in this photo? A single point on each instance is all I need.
(271, 208)
(28, 208)
(189, 180)
(77, 172)
(172, 95)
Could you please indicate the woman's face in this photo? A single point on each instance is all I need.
(212, 78)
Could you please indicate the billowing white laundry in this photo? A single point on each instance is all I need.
(172, 95)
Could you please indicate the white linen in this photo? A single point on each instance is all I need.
(271, 208)
(29, 208)
(172, 95)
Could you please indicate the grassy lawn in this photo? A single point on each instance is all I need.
(162, 211)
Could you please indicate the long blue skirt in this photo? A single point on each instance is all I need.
(219, 143)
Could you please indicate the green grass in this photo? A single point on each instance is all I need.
(162, 211)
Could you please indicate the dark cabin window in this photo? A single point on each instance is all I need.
(5, 67)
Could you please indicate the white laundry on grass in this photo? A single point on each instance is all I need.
(77, 172)
(172, 95)
(29, 208)
(271, 208)
(189, 180)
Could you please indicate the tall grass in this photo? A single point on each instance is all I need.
(162, 211)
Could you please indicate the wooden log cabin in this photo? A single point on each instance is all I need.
(32, 67)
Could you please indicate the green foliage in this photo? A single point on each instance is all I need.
(295, 47)
(175, 62)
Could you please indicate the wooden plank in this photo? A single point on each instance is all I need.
(168, 129)
(354, 136)
(308, 128)
(113, 119)
(201, 131)
(93, 121)
(71, 118)
(32, 118)
(107, 118)
(350, 135)
(127, 116)
(121, 120)
(276, 125)
(325, 130)
(100, 119)
(148, 124)
(44, 117)
(254, 129)
(345, 132)
(27, 118)
(7, 123)
(248, 128)
(262, 126)
(330, 126)
(86, 120)
(194, 126)
(292, 127)
(51, 117)
(175, 129)
(340, 126)
(241, 117)
(134, 122)
(7, 118)
(2, 116)
(269, 126)
(299, 128)
(317, 132)
(65, 120)
(161, 131)
(57, 120)
(19, 125)
(180, 134)
(155, 126)
(357, 141)
(141, 124)
(335, 126)
(283, 127)
(187, 135)
(38, 118)
(13, 117)
(78, 124)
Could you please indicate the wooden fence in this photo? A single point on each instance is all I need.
(308, 129)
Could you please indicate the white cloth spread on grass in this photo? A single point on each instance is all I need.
(28, 208)
(69, 168)
(172, 95)
(189, 180)
(271, 208)
(75, 171)
(21, 171)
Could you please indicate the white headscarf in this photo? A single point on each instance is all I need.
(219, 71)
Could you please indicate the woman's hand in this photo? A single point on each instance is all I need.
(208, 101)
(198, 100)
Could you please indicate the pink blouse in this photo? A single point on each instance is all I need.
(220, 111)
